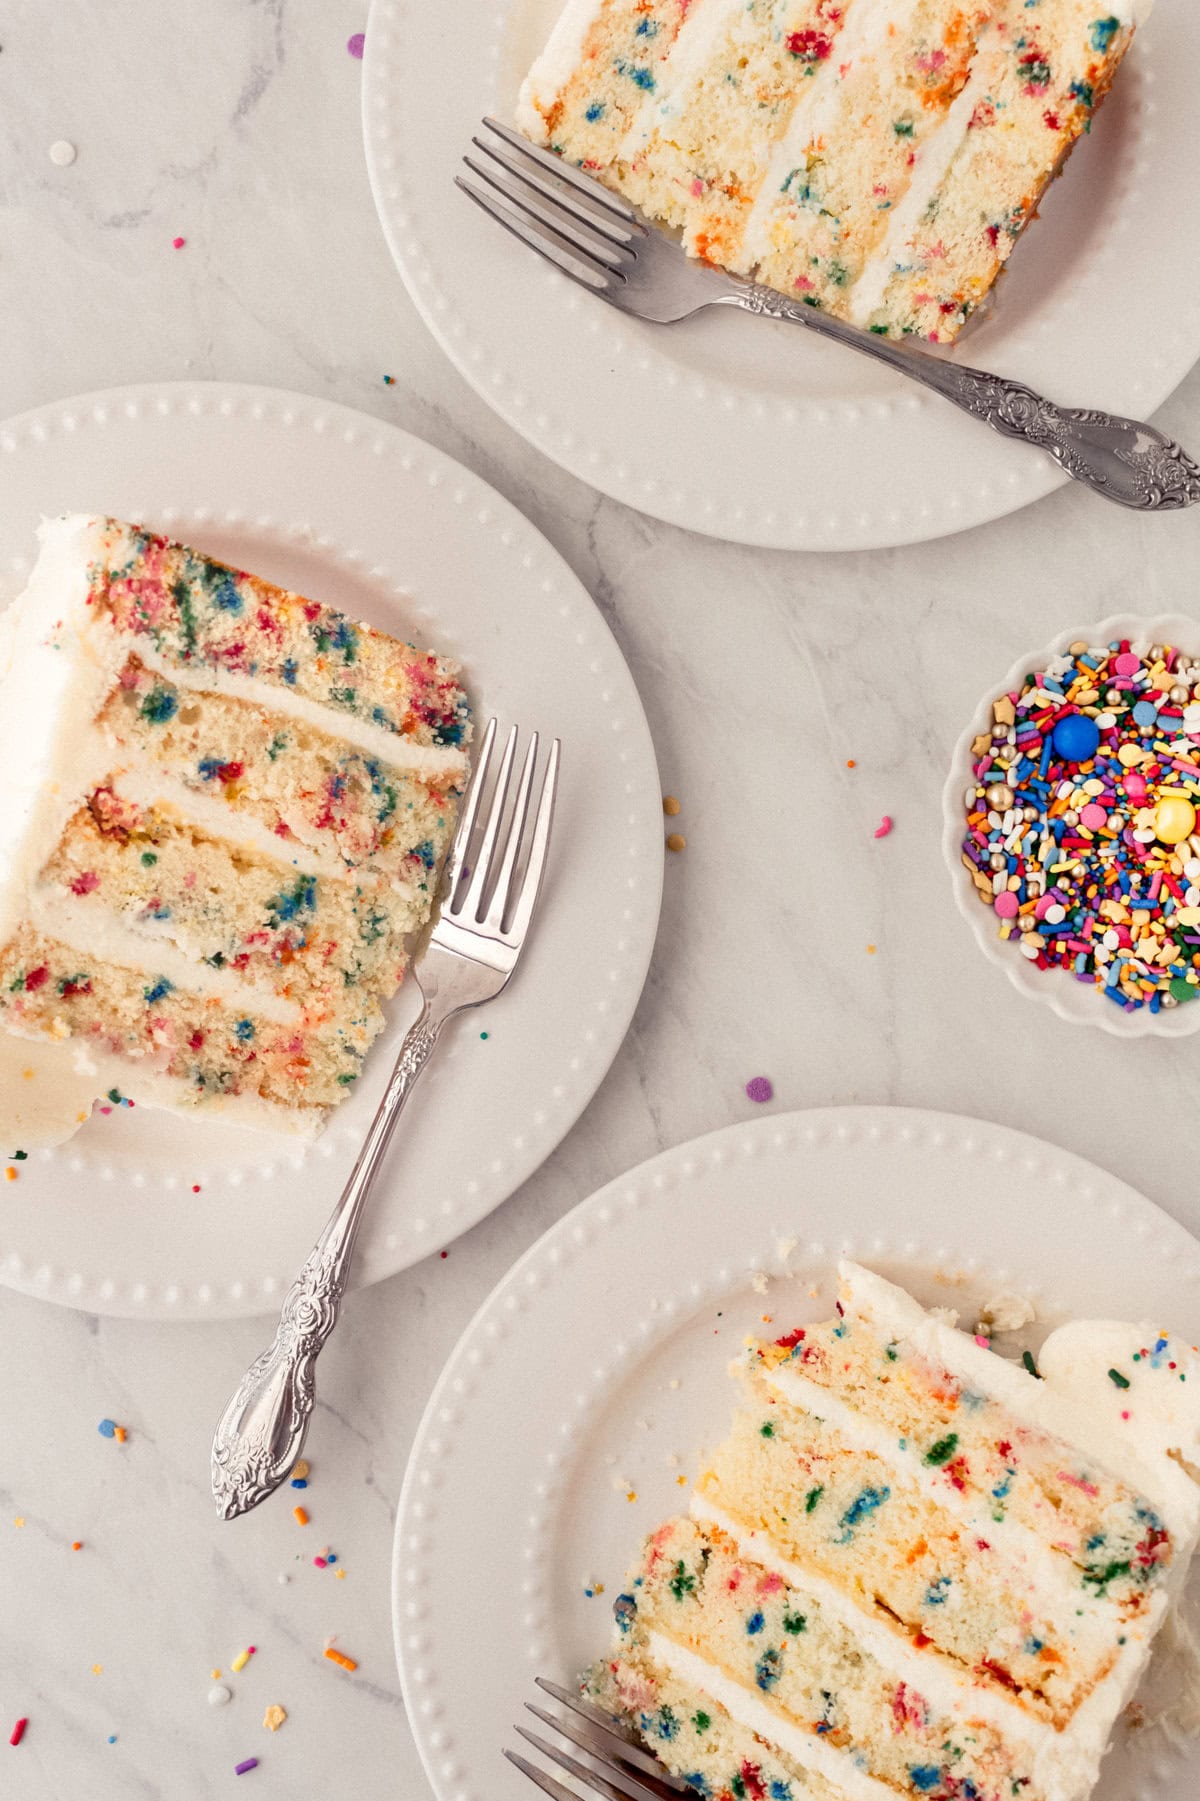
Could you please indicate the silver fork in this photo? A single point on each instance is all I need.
(618, 1769)
(602, 243)
(489, 897)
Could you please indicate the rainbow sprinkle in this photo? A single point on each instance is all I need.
(1082, 831)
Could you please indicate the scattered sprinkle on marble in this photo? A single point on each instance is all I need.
(62, 153)
(77, 1545)
(178, 243)
(18, 1732)
(676, 841)
(884, 826)
(110, 1429)
(97, 1669)
(670, 806)
(19, 1156)
(19, 1521)
(443, 1255)
(485, 1036)
(247, 1763)
(593, 1588)
(389, 381)
(274, 1717)
(111, 1739)
(871, 949)
(10, 1174)
(356, 45)
(242, 1659)
(758, 1088)
(339, 1657)
(219, 1695)
(850, 763)
(300, 1515)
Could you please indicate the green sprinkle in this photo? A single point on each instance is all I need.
(19, 1156)
(812, 1497)
(345, 1080)
(767, 1429)
(942, 1451)
(892, 1353)
(794, 1623)
(682, 1582)
(149, 859)
(1120, 1380)
(115, 1096)
(1030, 1365)
(701, 1721)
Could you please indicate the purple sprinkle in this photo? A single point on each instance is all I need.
(355, 44)
(250, 1763)
(759, 1089)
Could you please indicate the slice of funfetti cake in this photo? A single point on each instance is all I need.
(223, 813)
(916, 1569)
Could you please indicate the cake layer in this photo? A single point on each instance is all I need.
(301, 785)
(327, 945)
(52, 990)
(846, 1516)
(815, 1668)
(877, 157)
(198, 614)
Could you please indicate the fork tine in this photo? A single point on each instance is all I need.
(602, 1785)
(549, 1785)
(555, 215)
(580, 269)
(550, 182)
(575, 178)
(466, 820)
(536, 866)
(645, 1773)
(477, 884)
(505, 881)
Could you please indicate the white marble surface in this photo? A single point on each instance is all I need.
(235, 124)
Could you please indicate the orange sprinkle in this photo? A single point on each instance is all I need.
(676, 841)
(10, 1174)
(342, 1661)
(850, 763)
(120, 1434)
(299, 1515)
(871, 949)
(77, 1545)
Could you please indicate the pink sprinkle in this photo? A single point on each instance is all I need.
(981, 1338)
(697, 187)
(320, 1563)
(1125, 1414)
(884, 826)
(1006, 904)
(178, 243)
(759, 1089)
(357, 44)
(1093, 817)
(106, 1109)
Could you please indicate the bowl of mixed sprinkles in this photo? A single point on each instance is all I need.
(1072, 825)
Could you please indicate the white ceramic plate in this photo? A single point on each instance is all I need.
(750, 429)
(1071, 1000)
(597, 1370)
(337, 504)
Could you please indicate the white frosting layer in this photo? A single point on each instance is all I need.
(433, 762)
(749, 1710)
(104, 937)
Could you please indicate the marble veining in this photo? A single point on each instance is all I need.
(235, 126)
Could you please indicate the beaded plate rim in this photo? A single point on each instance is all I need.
(738, 1188)
(883, 466)
(1071, 1001)
(365, 473)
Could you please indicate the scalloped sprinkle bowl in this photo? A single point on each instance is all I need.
(1076, 1002)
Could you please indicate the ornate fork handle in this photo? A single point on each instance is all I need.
(1133, 464)
(262, 1431)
